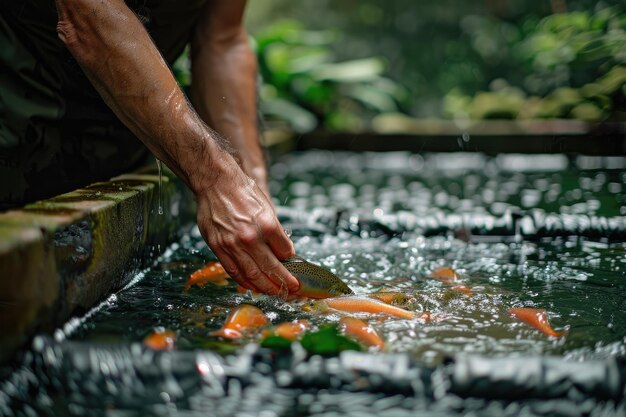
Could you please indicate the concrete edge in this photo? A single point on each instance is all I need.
(61, 256)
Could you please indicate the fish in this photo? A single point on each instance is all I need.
(160, 340)
(361, 331)
(240, 320)
(449, 276)
(360, 304)
(536, 318)
(445, 274)
(462, 288)
(291, 330)
(315, 281)
(213, 272)
(243, 290)
(395, 298)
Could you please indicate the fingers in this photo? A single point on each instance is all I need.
(255, 266)
(278, 241)
(239, 224)
(232, 270)
(274, 270)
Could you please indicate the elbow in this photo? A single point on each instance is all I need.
(67, 32)
(73, 26)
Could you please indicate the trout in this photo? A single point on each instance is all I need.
(315, 281)
(360, 304)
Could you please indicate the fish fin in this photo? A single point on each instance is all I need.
(293, 259)
(227, 333)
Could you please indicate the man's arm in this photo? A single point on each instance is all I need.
(224, 72)
(235, 217)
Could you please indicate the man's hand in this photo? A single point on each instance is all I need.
(237, 220)
(124, 65)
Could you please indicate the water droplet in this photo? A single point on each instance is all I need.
(160, 168)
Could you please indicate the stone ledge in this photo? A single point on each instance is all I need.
(59, 257)
(401, 133)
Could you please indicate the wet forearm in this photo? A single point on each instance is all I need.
(224, 72)
(120, 59)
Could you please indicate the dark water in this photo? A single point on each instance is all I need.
(580, 282)
(352, 213)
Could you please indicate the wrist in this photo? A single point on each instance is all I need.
(210, 163)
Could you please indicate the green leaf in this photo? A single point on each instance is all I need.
(372, 97)
(301, 120)
(328, 342)
(350, 71)
(276, 342)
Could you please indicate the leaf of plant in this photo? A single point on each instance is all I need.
(276, 342)
(328, 342)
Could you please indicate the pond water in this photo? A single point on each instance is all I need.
(364, 217)
(580, 282)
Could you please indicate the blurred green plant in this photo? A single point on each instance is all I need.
(304, 88)
(570, 65)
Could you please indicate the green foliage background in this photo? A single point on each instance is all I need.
(338, 64)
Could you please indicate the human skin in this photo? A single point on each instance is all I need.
(235, 216)
(224, 71)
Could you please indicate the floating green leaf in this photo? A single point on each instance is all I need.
(276, 342)
(328, 342)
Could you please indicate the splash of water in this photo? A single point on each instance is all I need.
(160, 168)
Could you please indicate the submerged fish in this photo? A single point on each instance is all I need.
(361, 331)
(240, 320)
(536, 318)
(395, 298)
(462, 288)
(291, 330)
(213, 272)
(359, 304)
(315, 281)
(445, 274)
(160, 340)
(449, 276)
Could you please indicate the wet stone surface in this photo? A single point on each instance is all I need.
(541, 232)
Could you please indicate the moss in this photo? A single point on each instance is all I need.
(52, 211)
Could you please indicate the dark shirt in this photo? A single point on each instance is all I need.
(56, 133)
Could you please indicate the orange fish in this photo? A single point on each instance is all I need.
(446, 275)
(462, 288)
(160, 340)
(361, 331)
(356, 304)
(536, 318)
(292, 330)
(210, 273)
(239, 320)
(242, 290)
